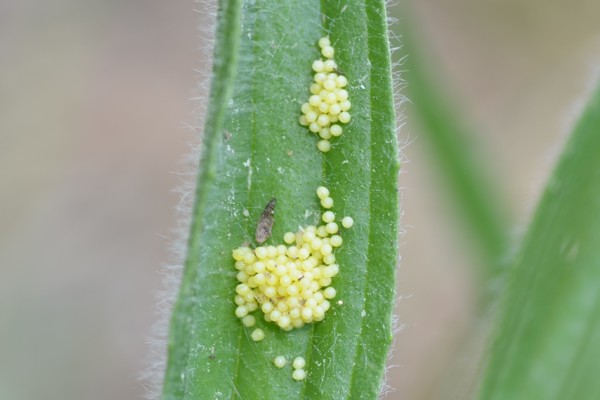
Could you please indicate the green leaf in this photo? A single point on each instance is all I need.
(548, 339)
(254, 150)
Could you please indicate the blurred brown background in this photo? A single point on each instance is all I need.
(94, 104)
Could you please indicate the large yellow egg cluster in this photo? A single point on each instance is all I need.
(328, 105)
(290, 284)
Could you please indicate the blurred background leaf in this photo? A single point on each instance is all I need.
(548, 340)
(462, 168)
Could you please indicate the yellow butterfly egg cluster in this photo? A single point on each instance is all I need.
(290, 283)
(298, 364)
(328, 105)
(299, 373)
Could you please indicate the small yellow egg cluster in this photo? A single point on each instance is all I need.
(290, 284)
(329, 102)
(298, 364)
(299, 372)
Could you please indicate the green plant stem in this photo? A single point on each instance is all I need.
(466, 177)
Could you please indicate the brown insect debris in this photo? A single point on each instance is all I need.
(265, 223)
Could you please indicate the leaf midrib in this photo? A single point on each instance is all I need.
(369, 230)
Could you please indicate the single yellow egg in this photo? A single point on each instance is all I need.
(299, 375)
(280, 361)
(257, 335)
(299, 363)
(347, 222)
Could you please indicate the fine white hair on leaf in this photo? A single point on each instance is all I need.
(394, 42)
(153, 374)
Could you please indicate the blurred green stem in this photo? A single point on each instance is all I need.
(466, 176)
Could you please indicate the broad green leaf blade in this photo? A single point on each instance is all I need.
(256, 150)
(548, 339)
(469, 183)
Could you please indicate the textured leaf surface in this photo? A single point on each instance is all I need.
(254, 150)
(548, 344)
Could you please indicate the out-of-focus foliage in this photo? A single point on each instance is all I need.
(547, 343)
(544, 342)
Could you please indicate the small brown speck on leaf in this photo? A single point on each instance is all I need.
(265, 223)
(338, 71)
